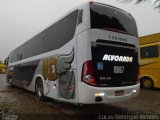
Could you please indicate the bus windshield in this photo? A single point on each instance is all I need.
(110, 18)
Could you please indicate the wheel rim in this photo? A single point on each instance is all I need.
(10, 81)
(147, 84)
(39, 93)
(39, 90)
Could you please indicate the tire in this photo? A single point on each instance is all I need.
(9, 81)
(147, 83)
(39, 89)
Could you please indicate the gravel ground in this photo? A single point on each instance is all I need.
(15, 102)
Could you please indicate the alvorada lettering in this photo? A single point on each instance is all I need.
(117, 58)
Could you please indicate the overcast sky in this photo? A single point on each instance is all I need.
(22, 19)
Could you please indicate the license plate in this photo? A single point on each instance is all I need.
(119, 93)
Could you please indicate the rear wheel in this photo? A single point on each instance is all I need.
(147, 83)
(10, 82)
(39, 90)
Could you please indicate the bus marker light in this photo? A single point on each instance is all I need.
(54, 87)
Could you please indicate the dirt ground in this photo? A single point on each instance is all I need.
(21, 104)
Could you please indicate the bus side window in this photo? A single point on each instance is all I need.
(149, 52)
(80, 17)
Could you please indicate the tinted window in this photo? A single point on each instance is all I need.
(149, 52)
(107, 17)
(14, 55)
(52, 38)
(61, 32)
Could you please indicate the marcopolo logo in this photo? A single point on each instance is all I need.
(117, 58)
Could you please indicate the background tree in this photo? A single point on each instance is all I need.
(155, 2)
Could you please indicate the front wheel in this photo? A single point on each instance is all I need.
(39, 90)
(9, 81)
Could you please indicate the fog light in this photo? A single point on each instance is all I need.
(98, 94)
(134, 91)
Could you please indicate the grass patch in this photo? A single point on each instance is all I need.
(5, 107)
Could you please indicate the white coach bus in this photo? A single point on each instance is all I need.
(88, 56)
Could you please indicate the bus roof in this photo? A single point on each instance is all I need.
(149, 39)
(150, 44)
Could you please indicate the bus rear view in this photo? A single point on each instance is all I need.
(110, 68)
